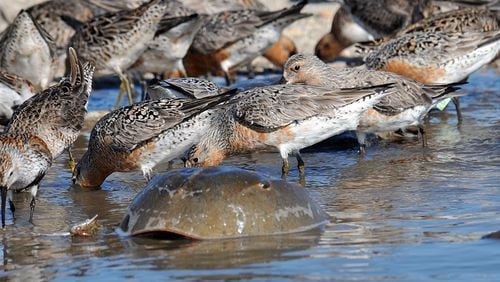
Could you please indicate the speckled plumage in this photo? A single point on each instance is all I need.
(14, 90)
(185, 88)
(453, 22)
(48, 14)
(386, 17)
(40, 129)
(56, 114)
(457, 21)
(284, 117)
(115, 40)
(142, 135)
(167, 49)
(437, 57)
(27, 50)
(405, 107)
(217, 6)
(24, 161)
(365, 20)
(232, 38)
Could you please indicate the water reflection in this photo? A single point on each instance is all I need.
(422, 209)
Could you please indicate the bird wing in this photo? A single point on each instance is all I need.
(225, 28)
(128, 127)
(276, 106)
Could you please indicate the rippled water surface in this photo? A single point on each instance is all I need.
(400, 213)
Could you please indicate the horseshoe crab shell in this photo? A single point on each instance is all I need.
(220, 202)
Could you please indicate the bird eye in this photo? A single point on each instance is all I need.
(195, 160)
(11, 173)
(297, 67)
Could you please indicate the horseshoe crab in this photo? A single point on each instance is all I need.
(220, 202)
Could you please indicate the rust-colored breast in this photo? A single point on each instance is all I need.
(328, 48)
(429, 74)
(280, 51)
(197, 64)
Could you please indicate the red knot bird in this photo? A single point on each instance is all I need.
(277, 54)
(140, 136)
(280, 51)
(365, 20)
(115, 40)
(455, 22)
(437, 57)
(27, 50)
(406, 107)
(41, 129)
(14, 90)
(284, 117)
(232, 38)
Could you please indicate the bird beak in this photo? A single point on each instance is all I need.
(3, 191)
(282, 80)
(187, 163)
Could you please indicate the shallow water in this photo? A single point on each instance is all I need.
(400, 213)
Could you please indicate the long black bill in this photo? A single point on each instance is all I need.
(3, 190)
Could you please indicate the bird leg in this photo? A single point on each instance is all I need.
(120, 96)
(285, 168)
(34, 190)
(362, 142)
(300, 164)
(422, 134)
(128, 89)
(11, 203)
(456, 102)
(302, 171)
(144, 90)
(228, 78)
(72, 163)
(362, 149)
(181, 68)
(124, 87)
(3, 191)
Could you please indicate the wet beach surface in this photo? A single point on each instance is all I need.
(402, 212)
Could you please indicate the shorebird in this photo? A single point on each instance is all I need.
(386, 17)
(27, 50)
(115, 40)
(344, 32)
(48, 14)
(406, 107)
(167, 49)
(277, 54)
(285, 117)
(14, 90)
(438, 57)
(457, 21)
(454, 22)
(140, 136)
(280, 51)
(184, 88)
(24, 161)
(365, 20)
(232, 38)
(41, 129)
